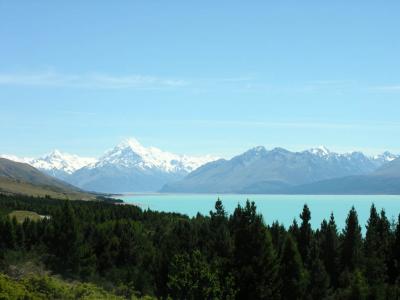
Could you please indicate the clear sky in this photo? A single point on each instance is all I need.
(197, 77)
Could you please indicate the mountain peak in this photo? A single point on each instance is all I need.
(386, 157)
(258, 149)
(57, 160)
(280, 150)
(130, 153)
(131, 143)
(320, 151)
(55, 152)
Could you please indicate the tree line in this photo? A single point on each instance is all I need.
(217, 256)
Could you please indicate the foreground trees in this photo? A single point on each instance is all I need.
(133, 252)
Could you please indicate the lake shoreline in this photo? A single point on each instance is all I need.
(281, 208)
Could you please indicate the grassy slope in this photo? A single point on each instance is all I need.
(12, 186)
(21, 215)
(19, 178)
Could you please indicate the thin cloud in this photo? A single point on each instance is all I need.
(90, 80)
(277, 124)
(234, 79)
(291, 124)
(78, 113)
(387, 88)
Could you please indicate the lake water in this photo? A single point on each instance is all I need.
(273, 207)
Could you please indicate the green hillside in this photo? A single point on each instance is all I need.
(19, 178)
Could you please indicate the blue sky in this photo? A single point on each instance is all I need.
(213, 77)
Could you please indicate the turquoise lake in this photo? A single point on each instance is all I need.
(283, 208)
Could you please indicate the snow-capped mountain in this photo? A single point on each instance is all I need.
(128, 167)
(15, 158)
(320, 151)
(385, 157)
(57, 160)
(56, 163)
(131, 154)
(259, 170)
(131, 167)
(378, 160)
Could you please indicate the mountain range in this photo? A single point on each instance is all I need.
(279, 171)
(56, 163)
(128, 167)
(132, 167)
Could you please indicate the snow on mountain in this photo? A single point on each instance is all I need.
(55, 161)
(16, 158)
(274, 171)
(320, 151)
(129, 166)
(132, 167)
(131, 154)
(385, 157)
(379, 159)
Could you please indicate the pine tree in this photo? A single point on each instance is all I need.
(220, 213)
(255, 260)
(305, 236)
(294, 230)
(278, 234)
(358, 289)
(375, 249)
(329, 249)
(319, 280)
(191, 277)
(31, 234)
(351, 248)
(7, 234)
(385, 235)
(67, 239)
(294, 277)
(396, 253)
(20, 236)
(221, 242)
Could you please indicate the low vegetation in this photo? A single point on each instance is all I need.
(101, 250)
(21, 215)
(17, 187)
(47, 287)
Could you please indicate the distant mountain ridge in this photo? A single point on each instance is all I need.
(385, 180)
(276, 171)
(132, 167)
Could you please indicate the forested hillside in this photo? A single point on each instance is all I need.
(127, 252)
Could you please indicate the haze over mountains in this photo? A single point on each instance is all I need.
(131, 167)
